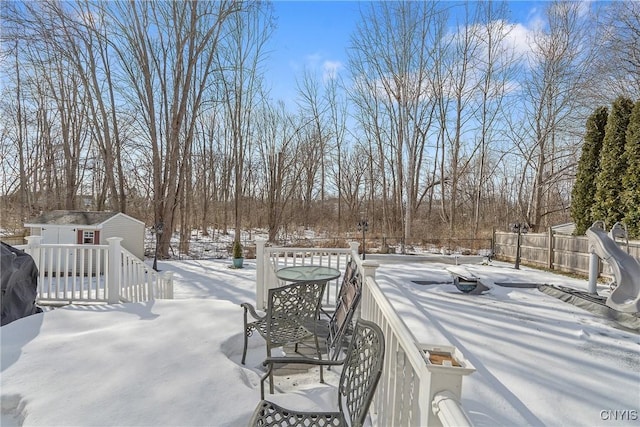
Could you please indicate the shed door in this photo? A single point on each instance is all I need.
(58, 260)
(53, 235)
(67, 236)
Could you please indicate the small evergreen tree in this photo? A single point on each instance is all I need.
(631, 179)
(608, 204)
(237, 249)
(584, 188)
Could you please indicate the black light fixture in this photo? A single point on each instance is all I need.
(519, 228)
(363, 225)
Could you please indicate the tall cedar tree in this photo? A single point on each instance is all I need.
(584, 190)
(608, 205)
(631, 179)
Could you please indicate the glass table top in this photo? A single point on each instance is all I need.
(301, 273)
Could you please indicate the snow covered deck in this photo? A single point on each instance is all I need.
(538, 360)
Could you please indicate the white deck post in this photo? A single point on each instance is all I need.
(354, 247)
(370, 268)
(33, 248)
(445, 384)
(260, 272)
(115, 266)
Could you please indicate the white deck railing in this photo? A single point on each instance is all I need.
(94, 273)
(413, 389)
(271, 258)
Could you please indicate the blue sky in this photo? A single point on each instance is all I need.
(308, 34)
(316, 34)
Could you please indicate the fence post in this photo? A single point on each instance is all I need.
(260, 271)
(33, 248)
(369, 268)
(353, 246)
(115, 268)
(550, 246)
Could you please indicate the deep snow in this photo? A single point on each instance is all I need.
(538, 360)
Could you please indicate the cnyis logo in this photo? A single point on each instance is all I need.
(619, 415)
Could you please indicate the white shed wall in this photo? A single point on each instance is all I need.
(129, 229)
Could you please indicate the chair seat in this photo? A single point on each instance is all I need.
(282, 332)
(269, 414)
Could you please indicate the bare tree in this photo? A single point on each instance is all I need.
(337, 121)
(167, 52)
(314, 108)
(618, 52)
(548, 142)
(462, 89)
(278, 157)
(240, 76)
(496, 69)
(390, 57)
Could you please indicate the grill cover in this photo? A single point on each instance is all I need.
(19, 275)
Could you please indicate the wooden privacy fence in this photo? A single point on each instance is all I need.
(554, 251)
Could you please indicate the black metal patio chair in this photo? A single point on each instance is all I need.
(291, 317)
(359, 378)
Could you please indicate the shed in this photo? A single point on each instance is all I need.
(89, 228)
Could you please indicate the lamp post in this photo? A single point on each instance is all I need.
(520, 229)
(158, 229)
(363, 225)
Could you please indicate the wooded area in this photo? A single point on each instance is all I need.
(442, 124)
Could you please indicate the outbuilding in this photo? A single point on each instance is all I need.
(89, 228)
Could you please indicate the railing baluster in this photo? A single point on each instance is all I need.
(93, 272)
(83, 273)
(58, 269)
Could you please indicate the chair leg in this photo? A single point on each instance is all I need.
(246, 337)
(270, 370)
(319, 357)
(244, 351)
(263, 379)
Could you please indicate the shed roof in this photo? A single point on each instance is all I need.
(567, 228)
(64, 217)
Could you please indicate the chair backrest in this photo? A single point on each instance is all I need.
(349, 272)
(292, 306)
(346, 305)
(361, 372)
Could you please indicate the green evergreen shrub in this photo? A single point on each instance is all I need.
(608, 205)
(237, 249)
(584, 189)
(631, 178)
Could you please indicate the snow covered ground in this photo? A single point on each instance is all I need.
(538, 360)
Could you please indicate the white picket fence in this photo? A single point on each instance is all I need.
(71, 273)
(413, 390)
